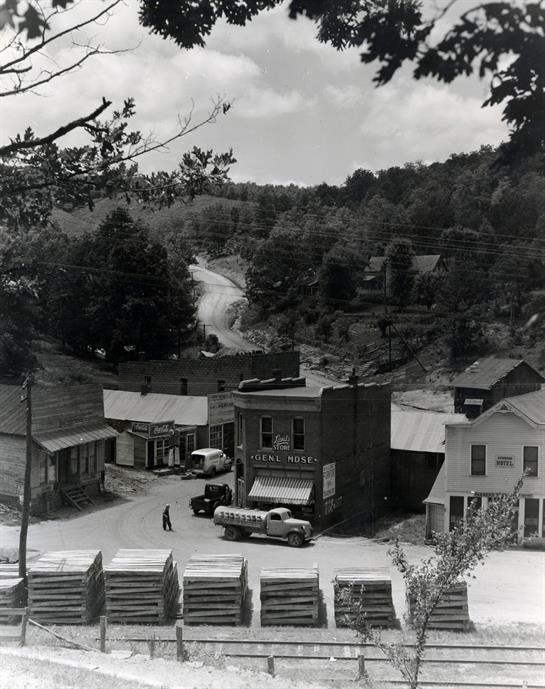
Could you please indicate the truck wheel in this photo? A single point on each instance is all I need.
(232, 533)
(195, 511)
(295, 540)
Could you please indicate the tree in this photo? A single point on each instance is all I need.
(399, 270)
(483, 39)
(427, 288)
(455, 555)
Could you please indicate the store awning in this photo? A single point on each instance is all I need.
(277, 490)
(53, 441)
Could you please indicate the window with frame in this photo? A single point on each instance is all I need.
(147, 380)
(298, 433)
(529, 460)
(183, 386)
(266, 431)
(83, 451)
(478, 460)
(216, 437)
(456, 511)
(190, 443)
(221, 386)
(92, 463)
(74, 463)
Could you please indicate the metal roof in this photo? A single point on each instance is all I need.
(421, 431)
(184, 410)
(12, 410)
(484, 373)
(61, 439)
(278, 490)
(437, 492)
(531, 405)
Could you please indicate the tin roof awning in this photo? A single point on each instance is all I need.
(54, 441)
(279, 490)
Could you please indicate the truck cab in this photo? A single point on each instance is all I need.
(215, 494)
(209, 461)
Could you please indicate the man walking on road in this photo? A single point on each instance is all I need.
(166, 519)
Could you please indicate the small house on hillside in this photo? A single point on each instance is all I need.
(417, 453)
(68, 436)
(489, 380)
(377, 278)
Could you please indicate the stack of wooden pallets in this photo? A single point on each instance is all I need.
(12, 591)
(142, 586)
(66, 587)
(452, 612)
(290, 596)
(214, 589)
(366, 591)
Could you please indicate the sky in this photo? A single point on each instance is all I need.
(301, 113)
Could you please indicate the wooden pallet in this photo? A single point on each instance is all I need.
(66, 587)
(12, 592)
(369, 590)
(214, 589)
(290, 596)
(142, 586)
(452, 612)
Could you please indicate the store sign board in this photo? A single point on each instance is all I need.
(332, 504)
(281, 458)
(281, 442)
(328, 480)
(220, 408)
(140, 427)
(161, 430)
(504, 462)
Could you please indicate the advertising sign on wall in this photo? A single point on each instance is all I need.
(328, 480)
(220, 408)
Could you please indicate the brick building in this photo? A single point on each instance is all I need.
(489, 380)
(201, 377)
(323, 452)
(68, 436)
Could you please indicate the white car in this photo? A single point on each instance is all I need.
(209, 461)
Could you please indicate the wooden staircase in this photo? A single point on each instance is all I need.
(76, 497)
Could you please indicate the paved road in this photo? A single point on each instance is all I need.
(509, 588)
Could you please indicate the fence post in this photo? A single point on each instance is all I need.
(24, 622)
(103, 629)
(152, 647)
(362, 674)
(180, 654)
(270, 665)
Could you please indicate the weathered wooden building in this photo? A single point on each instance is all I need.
(489, 380)
(486, 457)
(377, 276)
(417, 453)
(68, 436)
(323, 452)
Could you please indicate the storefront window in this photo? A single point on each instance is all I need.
(84, 459)
(298, 433)
(190, 443)
(531, 517)
(74, 460)
(216, 437)
(266, 431)
(161, 452)
(456, 510)
(478, 460)
(529, 465)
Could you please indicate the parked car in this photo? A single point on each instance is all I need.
(209, 461)
(215, 494)
(278, 523)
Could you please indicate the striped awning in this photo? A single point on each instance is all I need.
(53, 441)
(281, 490)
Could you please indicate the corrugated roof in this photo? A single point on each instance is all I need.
(301, 391)
(532, 405)
(61, 439)
(279, 490)
(12, 410)
(484, 373)
(184, 410)
(421, 431)
(437, 492)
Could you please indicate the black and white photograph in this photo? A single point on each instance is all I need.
(272, 344)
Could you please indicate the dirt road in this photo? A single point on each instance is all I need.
(510, 587)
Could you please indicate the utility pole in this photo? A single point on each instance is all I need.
(26, 396)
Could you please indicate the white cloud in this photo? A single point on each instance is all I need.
(265, 102)
(346, 96)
